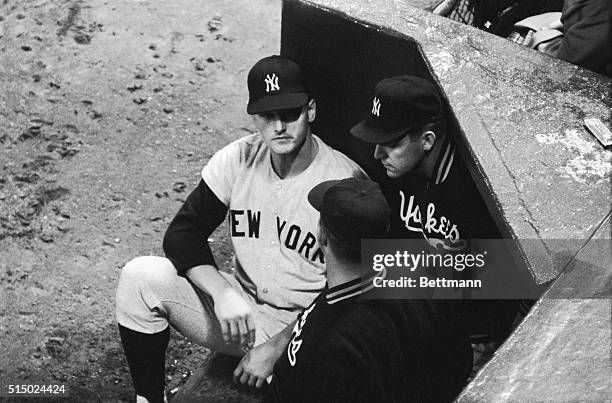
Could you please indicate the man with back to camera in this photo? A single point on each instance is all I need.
(348, 346)
(262, 180)
(431, 193)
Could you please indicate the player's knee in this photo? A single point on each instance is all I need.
(144, 282)
(145, 271)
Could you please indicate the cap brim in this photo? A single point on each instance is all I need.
(315, 196)
(277, 102)
(370, 133)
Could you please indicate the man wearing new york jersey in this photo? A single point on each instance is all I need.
(431, 193)
(348, 346)
(260, 183)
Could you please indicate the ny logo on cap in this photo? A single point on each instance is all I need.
(376, 107)
(271, 82)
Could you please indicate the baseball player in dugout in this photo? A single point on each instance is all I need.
(351, 346)
(430, 191)
(262, 180)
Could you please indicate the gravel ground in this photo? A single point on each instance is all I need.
(108, 112)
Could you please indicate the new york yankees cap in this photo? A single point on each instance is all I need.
(352, 209)
(275, 83)
(400, 104)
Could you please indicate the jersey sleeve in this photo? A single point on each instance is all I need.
(220, 172)
(185, 242)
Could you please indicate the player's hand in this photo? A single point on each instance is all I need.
(257, 365)
(236, 318)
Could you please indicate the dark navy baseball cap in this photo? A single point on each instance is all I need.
(399, 105)
(352, 209)
(276, 83)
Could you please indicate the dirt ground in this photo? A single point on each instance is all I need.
(108, 112)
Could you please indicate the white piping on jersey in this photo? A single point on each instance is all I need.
(445, 163)
(360, 288)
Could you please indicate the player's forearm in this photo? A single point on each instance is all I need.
(208, 279)
(280, 340)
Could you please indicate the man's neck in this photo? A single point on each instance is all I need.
(340, 272)
(289, 165)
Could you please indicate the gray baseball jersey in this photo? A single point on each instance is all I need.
(272, 226)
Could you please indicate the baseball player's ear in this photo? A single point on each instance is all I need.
(429, 139)
(312, 110)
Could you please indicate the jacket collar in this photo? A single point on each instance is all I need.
(352, 288)
(445, 161)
